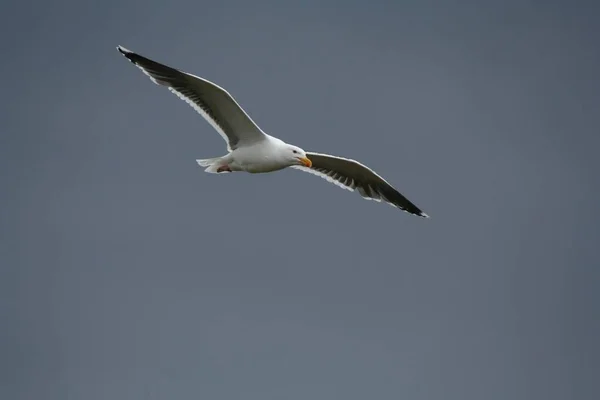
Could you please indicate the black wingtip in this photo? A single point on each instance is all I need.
(123, 50)
(128, 54)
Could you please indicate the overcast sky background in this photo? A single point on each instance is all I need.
(126, 272)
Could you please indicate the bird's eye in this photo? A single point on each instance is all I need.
(294, 151)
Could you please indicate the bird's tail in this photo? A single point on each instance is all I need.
(212, 164)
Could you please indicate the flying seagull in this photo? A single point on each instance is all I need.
(251, 150)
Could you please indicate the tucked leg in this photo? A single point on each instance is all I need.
(223, 168)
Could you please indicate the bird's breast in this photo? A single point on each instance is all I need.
(257, 159)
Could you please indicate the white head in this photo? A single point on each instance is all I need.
(296, 156)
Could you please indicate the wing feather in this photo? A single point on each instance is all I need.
(211, 101)
(350, 174)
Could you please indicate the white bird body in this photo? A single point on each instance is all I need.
(251, 150)
(260, 157)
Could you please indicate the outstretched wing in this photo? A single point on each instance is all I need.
(213, 102)
(351, 175)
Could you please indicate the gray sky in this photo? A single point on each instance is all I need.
(126, 272)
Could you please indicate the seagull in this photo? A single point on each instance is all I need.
(252, 150)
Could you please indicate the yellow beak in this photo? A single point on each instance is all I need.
(305, 161)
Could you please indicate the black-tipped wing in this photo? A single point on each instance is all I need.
(213, 102)
(351, 175)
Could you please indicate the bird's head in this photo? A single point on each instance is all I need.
(297, 156)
